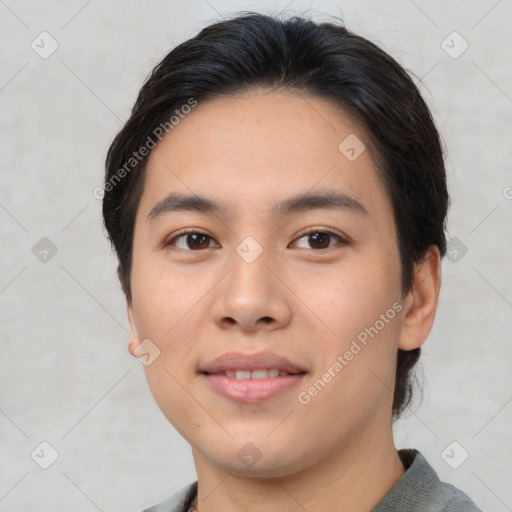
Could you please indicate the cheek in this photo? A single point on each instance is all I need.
(357, 361)
(167, 312)
(171, 307)
(348, 299)
(360, 318)
(162, 299)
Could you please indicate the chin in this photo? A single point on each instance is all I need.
(257, 458)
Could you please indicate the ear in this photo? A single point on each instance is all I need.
(134, 337)
(421, 301)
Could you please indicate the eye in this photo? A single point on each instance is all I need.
(321, 239)
(191, 240)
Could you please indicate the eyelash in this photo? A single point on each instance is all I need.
(342, 240)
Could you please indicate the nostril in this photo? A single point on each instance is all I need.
(267, 319)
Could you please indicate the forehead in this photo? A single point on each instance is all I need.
(263, 145)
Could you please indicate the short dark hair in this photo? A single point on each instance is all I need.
(323, 60)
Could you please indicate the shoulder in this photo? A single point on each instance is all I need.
(454, 500)
(178, 502)
(444, 497)
(421, 490)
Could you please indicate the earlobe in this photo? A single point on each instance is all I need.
(421, 301)
(132, 345)
(134, 337)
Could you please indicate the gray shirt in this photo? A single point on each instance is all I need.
(419, 490)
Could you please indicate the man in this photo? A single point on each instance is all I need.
(277, 202)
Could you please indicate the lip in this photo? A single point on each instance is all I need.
(257, 361)
(251, 391)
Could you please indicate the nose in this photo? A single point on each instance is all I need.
(251, 297)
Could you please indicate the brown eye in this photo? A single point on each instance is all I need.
(191, 241)
(320, 240)
(198, 241)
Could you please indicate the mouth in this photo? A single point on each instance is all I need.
(251, 378)
(270, 373)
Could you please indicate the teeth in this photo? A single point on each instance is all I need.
(256, 374)
(259, 374)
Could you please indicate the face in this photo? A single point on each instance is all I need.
(283, 258)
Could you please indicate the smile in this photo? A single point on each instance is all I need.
(255, 374)
(251, 378)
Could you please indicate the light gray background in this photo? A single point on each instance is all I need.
(66, 375)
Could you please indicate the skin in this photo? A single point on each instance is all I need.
(297, 299)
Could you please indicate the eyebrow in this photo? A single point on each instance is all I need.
(326, 199)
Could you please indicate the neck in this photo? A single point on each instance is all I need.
(352, 480)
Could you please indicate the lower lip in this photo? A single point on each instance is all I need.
(252, 391)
